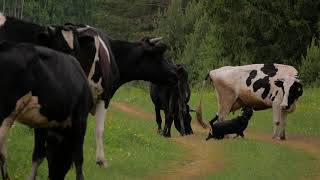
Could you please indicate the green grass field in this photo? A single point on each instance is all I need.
(134, 150)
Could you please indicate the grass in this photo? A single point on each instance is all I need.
(303, 121)
(134, 150)
(260, 160)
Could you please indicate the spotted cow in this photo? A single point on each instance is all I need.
(260, 86)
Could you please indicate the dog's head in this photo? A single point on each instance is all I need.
(247, 112)
(210, 134)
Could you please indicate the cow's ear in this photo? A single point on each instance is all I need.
(279, 83)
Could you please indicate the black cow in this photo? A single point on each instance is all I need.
(174, 101)
(43, 88)
(92, 53)
(54, 37)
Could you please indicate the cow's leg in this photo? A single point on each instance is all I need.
(276, 113)
(100, 118)
(77, 153)
(158, 118)
(283, 123)
(227, 98)
(59, 153)
(5, 126)
(168, 124)
(177, 124)
(39, 151)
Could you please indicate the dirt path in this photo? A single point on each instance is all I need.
(202, 157)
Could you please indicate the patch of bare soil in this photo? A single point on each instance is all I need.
(127, 108)
(201, 159)
(310, 145)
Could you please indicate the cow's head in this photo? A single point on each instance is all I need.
(292, 90)
(144, 60)
(59, 38)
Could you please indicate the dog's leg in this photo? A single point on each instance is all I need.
(236, 136)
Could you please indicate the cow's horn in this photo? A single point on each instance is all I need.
(155, 40)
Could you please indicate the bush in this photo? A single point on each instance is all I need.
(310, 67)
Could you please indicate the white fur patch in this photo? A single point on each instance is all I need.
(105, 48)
(2, 19)
(29, 114)
(68, 36)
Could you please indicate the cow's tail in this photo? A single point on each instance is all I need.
(199, 108)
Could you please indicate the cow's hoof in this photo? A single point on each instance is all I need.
(166, 135)
(159, 131)
(102, 164)
(283, 138)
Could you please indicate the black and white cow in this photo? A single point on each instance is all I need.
(260, 86)
(140, 60)
(43, 88)
(173, 100)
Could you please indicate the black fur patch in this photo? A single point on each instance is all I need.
(269, 69)
(252, 75)
(262, 83)
(294, 93)
(270, 96)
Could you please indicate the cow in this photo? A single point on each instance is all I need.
(140, 60)
(173, 100)
(54, 37)
(92, 53)
(260, 86)
(43, 88)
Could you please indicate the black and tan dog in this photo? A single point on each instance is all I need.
(233, 126)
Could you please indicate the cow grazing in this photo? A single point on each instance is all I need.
(233, 126)
(43, 88)
(174, 101)
(260, 86)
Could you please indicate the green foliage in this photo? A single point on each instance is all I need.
(201, 34)
(309, 70)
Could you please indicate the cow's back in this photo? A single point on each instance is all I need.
(252, 84)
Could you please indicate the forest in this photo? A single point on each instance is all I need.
(202, 34)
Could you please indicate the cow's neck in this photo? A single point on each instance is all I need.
(126, 65)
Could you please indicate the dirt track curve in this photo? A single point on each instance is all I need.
(207, 157)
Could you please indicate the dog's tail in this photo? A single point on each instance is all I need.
(199, 109)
